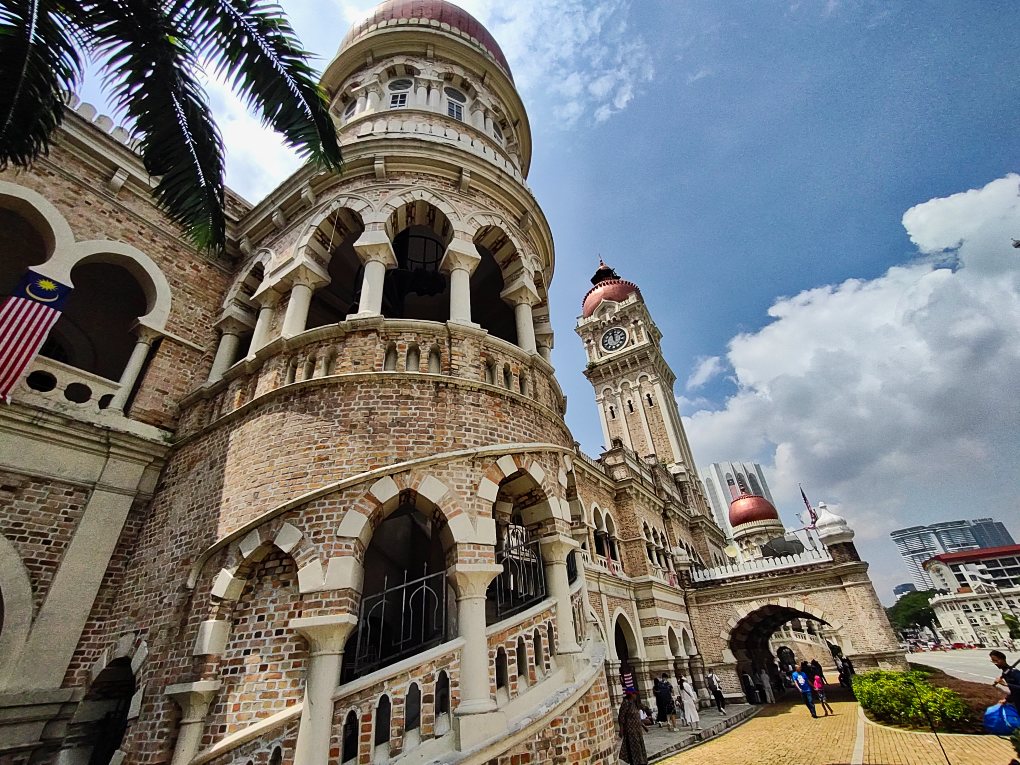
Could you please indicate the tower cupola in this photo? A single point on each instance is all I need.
(608, 286)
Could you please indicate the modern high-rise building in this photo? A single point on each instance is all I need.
(725, 481)
(917, 544)
(903, 589)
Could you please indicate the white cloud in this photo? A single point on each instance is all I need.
(698, 75)
(707, 369)
(895, 396)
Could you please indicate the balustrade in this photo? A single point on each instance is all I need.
(64, 385)
(522, 582)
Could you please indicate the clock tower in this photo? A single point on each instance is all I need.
(633, 384)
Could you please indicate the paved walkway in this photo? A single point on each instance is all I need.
(785, 734)
(661, 741)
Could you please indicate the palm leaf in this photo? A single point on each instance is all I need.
(251, 43)
(152, 75)
(38, 64)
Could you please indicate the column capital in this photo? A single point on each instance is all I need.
(193, 698)
(146, 334)
(266, 296)
(556, 547)
(375, 245)
(521, 290)
(233, 322)
(460, 255)
(471, 580)
(325, 634)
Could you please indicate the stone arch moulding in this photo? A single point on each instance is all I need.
(504, 467)
(421, 194)
(383, 497)
(525, 253)
(264, 257)
(251, 548)
(149, 276)
(40, 212)
(671, 640)
(687, 643)
(136, 651)
(357, 205)
(638, 647)
(729, 631)
(16, 591)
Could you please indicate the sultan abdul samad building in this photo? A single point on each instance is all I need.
(315, 501)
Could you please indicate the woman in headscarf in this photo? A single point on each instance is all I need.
(689, 700)
(663, 691)
(632, 750)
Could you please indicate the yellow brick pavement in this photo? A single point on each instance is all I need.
(785, 734)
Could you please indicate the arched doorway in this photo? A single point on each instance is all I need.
(749, 638)
(626, 646)
(406, 605)
(109, 699)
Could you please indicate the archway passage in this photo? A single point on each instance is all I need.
(405, 606)
(334, 239)
(749, 639)
(109, 698)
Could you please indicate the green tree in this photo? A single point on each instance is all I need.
(1013, 624)
(152, 54)
(912, 610)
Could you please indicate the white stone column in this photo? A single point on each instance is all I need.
(471, 581)
(226, 352)
(376, 251)
(134, 366)
(267, 309)
(296, 318)
(459, 262)
(194, 700)
(326, 636)
(544, 336)
(523, 295)
(475, 718)
(555, 550)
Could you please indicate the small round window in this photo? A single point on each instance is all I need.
(398, 85)
(349, 111)
(455, 95)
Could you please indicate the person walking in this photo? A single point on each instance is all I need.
(632, 748)
(766, 684)
(715, 688)
(818, 671)
(689, 702)
(818, 686)
(803, 684)
(663, 692)
(1008, 683)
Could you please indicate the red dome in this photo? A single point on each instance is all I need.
(608, 286)
(748, 508)
(438, 11)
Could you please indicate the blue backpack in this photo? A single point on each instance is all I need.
(1002, 719)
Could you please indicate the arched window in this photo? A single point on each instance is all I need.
(612, 413)
(522, 664)
(648, 397)
(490, 372)
(390, 362)
(382, 726)
(350, 109)
(523, 384)
(455, 101)
(435, 360)
(351, 734)
(630, 406)
(442, 703)
(508, 377)
(276, 758)
(502, 675)
(551, 637)
(412, 717)
(536, 641)
(412, 362)
(399, 90)
(497, 132)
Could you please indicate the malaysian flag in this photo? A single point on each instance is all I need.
(811, 511)
(26, 318)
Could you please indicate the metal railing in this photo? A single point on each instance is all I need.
(522, 582)
(398, 622)
(572, 566)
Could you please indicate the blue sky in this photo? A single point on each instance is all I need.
(751, 166)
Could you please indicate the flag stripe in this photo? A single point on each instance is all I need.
(24, 326)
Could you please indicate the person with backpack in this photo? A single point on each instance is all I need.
(715, 688)
(802, 682)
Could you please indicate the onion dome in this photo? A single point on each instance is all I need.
(832, 528)
(751, 508)
(436, 13)
(608, 286)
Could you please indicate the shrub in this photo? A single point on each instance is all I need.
(906, 698)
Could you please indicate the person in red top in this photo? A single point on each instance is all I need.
(818, 684)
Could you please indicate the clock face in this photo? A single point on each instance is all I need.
(614, 339)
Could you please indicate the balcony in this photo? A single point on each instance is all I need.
(56, 385)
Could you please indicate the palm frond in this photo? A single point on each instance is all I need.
(152, 75)
(39, 62)
(251, 43)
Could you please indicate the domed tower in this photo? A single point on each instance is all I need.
(373, 479)
(755, 523)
